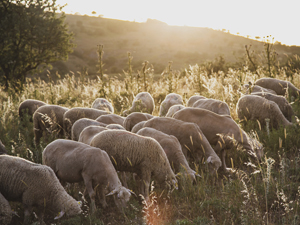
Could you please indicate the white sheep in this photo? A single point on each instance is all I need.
(257, 88)
(281, 101)
(89, 132)
(222, 132)
(172, 148)
(193, 99)
(138, 126)
(5, 211)
(213, 105)
(115, 126)
(137, 154)
(36, 186)
(173, 109)
(281, 87)
(74, 114)
(48, 119)
(103, 104)
(171, 99)
(74, 162)
(143, 102)
(193, 142)
(29, 106)
(2, 148)
(253, 107)
(132, 119)
(111, 118)
(82, 123)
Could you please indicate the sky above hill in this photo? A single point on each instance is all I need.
(254, 18)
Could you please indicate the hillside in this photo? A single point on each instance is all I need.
(153, 41)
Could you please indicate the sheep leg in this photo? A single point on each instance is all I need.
(123, 178)
(145, 185)
(102, 200)
(40, 214)
(27, 214)
(223, 154)
(89, 187)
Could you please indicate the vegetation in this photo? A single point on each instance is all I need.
(32, 34)
(266, 192)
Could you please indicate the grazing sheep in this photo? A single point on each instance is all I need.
(111, 118)
(213, 105)
(220, 131)
(48, 119)
(172, 148)
(281, 101)
(193, 142)
(281, 87)
(5, 211)
(133, 118)
(137, 154)
(254, 107)
(2, 148)
(89, 132)
(138, 126)
(115, 126)
(29, 106)
(82, 123)
(193, 99)
(143, 102)
(173, 109)
(34, 185)
(103, 104)
(257, 88)
(171, 99)
(74, 114)
(74, 162)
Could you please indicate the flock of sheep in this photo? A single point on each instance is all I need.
(94, 144)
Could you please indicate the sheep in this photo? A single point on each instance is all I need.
(173, 109)
(111, 118)
(34, 185)
(171, 99)
(220, 131)
(281, 87)
(132, 119)
(74, 162)
(137, 154)
(138, 126)
(103, 104)
(80, 124)
(48, 119)
(115, 126)
(193, 99)
(2, 148)
(257, 88)
(172, 148)
(89, 132)
(281, 101)
(254, 107)
(193, 142)
(29, 106)
(74, 114)
(143, 102)
(5, 211)
(213, 105)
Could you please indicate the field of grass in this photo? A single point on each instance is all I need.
(266, 192)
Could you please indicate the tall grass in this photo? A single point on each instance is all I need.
(257, 192)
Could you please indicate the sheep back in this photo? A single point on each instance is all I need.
(82, 123)
(193, 99)
(171, 99)
(173, 109)
(103, 104)
(29, 106)
(213, 105)
(143, 102)
(111, 118)
(133, 118)
(89, 132)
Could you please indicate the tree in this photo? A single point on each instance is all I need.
(32, 34)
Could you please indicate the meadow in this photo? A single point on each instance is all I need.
(258, 192)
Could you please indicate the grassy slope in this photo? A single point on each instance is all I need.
(153, 41)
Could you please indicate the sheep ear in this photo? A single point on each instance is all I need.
(209, 159)
(112, 192)
(131, 192)
(60, 214)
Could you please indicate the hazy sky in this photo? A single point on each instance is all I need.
(279, 18)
